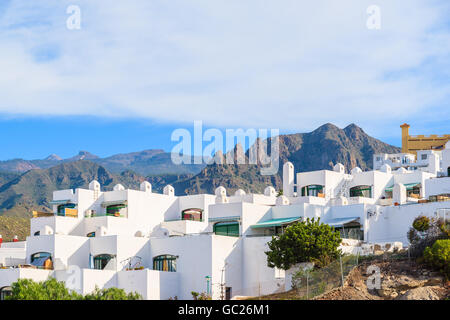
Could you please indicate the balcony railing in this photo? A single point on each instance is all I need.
(180, 219)
(39, 214)
(72, 213)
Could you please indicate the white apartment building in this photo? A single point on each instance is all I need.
(427, 161)
(164, 246)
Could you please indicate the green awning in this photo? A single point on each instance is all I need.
(339, 222)
(111, 203)
(275, 222)
(409, 186)
(60, 202)
(219, 219)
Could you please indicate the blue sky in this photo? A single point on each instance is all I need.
(138, 69)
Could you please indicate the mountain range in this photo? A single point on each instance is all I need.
(23, 190)
(147, 162)
(316, 150)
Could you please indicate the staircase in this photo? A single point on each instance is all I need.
(343, 190)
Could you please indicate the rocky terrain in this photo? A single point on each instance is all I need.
(400, 280)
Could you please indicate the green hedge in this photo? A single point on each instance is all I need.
(438, 256)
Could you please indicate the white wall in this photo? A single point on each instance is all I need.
(226, 264)
(437, 186)
(392, 223)
(150, 284)
(194, 261)
(12, 256)
(257, 277)
(8, 276)
(103, 279)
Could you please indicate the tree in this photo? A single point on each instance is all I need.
(421, 223)
(112, 294)
(424, 232)
(438, 256)
(51, 289)
(305, 241)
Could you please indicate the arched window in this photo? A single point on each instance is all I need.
(5, 292)
(165, 262)
(361, 191)
(42, 260)
(312, 191)
(230, 229)
(102, 260)
(37, 233)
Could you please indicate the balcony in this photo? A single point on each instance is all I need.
(385, 202)
(39, 214)
(184, 226)
(71, 213)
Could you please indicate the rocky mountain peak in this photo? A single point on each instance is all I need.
(53, 157)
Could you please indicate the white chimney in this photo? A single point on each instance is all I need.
(288, 179)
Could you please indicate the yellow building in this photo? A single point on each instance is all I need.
(411, 144)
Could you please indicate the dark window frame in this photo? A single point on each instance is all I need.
(165, 262)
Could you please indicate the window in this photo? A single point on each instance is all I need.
(361, 191)
(424, 157)
(165, 262)
(91, 235)
(378, 158)
(62, 208)
(230, 229)
(42, 260)
(192, 214)
(414, 192)
(312, 191)
(115, 209)
(102, 260)
(351, 232)
(228, 293)
(448, 171)
(37, 233)
(5, 292)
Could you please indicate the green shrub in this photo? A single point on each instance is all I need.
(424, 233)
(438, 256)
(51, 289)
(111, 294)
(305, 241)
(200, 296)
(421, 223)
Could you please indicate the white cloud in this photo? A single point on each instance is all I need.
(264, 63)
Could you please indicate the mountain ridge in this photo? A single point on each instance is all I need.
(20, 193)
(145, 162)
(316, 150)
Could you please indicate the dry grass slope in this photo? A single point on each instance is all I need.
(11, 226)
